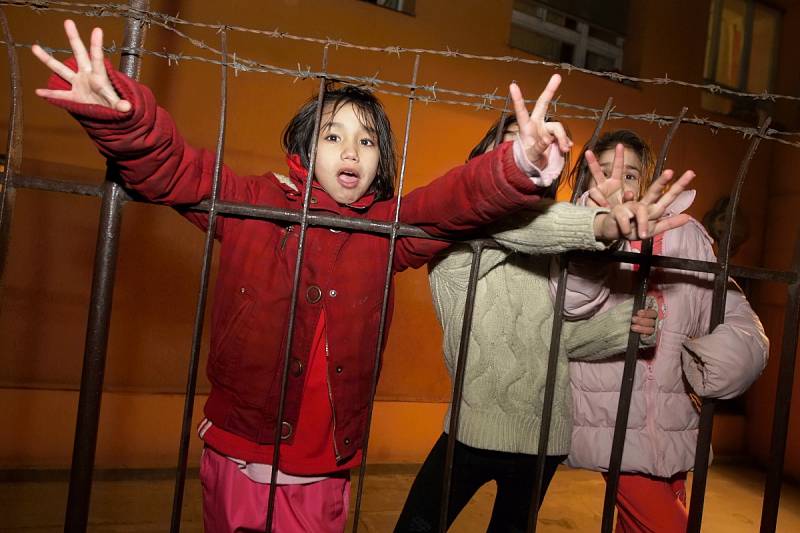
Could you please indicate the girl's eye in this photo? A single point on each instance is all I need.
(631, 177)
(332, 137)
(367, 142)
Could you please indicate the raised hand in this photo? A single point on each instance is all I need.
(90, 84)
(607, 190)
(636, 220)
(535, 134)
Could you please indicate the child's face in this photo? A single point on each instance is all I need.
(347, 155)
(631, 173)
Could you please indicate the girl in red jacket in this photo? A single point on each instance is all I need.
(336, 321)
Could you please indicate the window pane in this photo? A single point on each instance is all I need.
(406, 6)
(731, 42)
(762, 49)
(600, 62)
(708, 69)
(538, 44)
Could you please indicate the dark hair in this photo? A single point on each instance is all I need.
(298, 134)
(489, 138)
(608, 141)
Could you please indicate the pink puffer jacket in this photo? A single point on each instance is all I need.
(663, 421)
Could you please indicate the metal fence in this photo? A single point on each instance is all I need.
(113, 198)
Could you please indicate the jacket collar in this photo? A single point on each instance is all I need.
(294, 186)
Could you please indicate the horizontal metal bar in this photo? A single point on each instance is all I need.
(383, 227)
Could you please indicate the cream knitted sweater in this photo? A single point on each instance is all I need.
(508, 346)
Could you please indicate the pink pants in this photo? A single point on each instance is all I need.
(647, 504)
(232, 502)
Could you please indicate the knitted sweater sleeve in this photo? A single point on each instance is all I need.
(549, 227)
(603, 335)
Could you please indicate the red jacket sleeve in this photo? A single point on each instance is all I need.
(463, 200)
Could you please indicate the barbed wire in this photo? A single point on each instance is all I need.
(169, 22)
(479, 101)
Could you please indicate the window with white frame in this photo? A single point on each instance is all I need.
(741, 50)
(404, 6)
(574, 32)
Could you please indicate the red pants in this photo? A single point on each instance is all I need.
(232, 502)
(648, 504)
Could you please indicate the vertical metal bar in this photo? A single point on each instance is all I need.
(783, 402)
(555, 343)
(13, 162)
(583, 173)
(629, 371)
(205, 270)
(94, 358)
(298, 265)
(501, 126)
(386, 287)
(703, 450)
(458, 381)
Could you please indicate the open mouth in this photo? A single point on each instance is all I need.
(348, 178)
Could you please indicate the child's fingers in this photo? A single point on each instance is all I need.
(622, 215)
(642, 218)
(557, 130)
(518, 102)
(52, 63)
(56, 95)
(653, 193)
(122, 106)
(543, 102)
(594, 167)
(618, 163)
(96, 52)
(81, 56)
(651, 314)
(671, 223)
(675, 189)
(598, 197)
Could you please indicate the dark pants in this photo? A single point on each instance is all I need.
(472, 468)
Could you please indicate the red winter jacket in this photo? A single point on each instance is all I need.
(342, 272)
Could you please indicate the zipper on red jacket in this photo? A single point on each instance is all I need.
(330, 398)
(286, 236)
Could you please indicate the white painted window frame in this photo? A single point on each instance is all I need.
(579, 38)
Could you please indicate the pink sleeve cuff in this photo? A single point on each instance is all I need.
(542, 177)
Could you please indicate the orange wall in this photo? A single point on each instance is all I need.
(45, 295)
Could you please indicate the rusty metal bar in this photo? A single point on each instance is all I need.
(458, 381)
(555, 343)
(783, 402)
(383, 227)
(13, 162)
(501, 126)
(96, 347)
(629, 370)
(298, 265)
(703, 450)
(362, 472)
(202, 297)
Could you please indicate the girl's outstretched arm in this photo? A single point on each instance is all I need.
(138, 137)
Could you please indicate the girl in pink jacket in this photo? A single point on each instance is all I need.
(688, 361)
